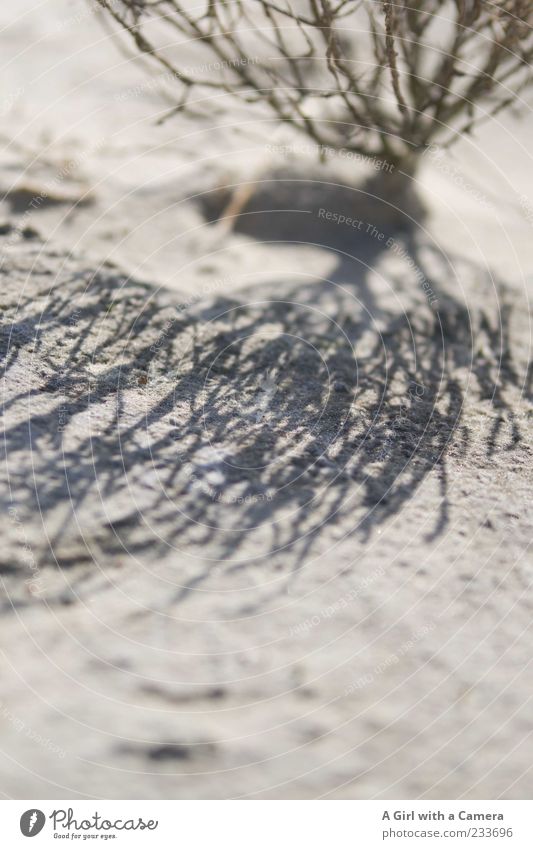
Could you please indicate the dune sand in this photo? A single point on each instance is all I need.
(267, 485)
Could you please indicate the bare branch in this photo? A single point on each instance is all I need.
(370, 76)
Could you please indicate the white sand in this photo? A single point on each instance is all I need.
(266, 512)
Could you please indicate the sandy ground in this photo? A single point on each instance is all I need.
(266, 503)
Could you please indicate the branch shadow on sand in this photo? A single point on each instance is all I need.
(286, 418)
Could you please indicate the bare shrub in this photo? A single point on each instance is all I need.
(375, 78)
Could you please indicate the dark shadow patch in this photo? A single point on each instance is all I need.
(212, 443)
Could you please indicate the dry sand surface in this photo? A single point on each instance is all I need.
(266, 510)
